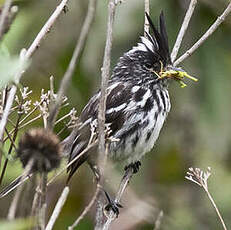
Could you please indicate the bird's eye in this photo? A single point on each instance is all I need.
(148, 65)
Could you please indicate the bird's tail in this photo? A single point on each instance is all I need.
(14, 184)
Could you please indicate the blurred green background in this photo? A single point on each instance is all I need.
(197, 132)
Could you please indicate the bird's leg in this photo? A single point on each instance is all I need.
(114, 205)
(95, 169)
(134, 166)
(111, 205)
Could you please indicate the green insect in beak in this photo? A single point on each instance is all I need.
(177, 74)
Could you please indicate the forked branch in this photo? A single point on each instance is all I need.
(208, 33)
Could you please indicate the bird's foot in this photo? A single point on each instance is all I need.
(112, 205)
(135, 167)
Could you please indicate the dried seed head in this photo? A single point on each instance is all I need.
(43, 147)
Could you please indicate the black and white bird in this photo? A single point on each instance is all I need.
(136, 107)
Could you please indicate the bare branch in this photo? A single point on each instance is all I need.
(102, 151)
(146, 10)
(14, 184)
(104, 83)
(158, 220)
(46, 28)
(87, 208)
(78, 49)
(11, 140)
(42, 201)
(6, 112)
(3, 16)
(209, 32)
(183, 29)
(14, 203)
(216, 209)
(58, 208)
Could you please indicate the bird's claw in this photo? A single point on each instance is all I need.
(135, 166)
(112, 205)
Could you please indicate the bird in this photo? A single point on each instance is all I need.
(137, 104)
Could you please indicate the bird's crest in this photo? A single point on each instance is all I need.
(156, 42)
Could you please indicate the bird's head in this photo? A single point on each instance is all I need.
(151, 57)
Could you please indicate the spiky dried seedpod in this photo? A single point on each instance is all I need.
(41, 145)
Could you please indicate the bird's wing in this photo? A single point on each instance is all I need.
(118, 96)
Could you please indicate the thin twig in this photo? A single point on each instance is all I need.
(42, 204)
(209, 32)
(26, 55)
(43, 191)
(86, 209)
(4, 99)
(11, 140)
(6, 111)
(14, 203)
(124, 182)
(14, 184)
(183, 29)
(46, 28)
(146, 10)
(35, 201)
(105, 78)
(11, 147)
(102, 156)
(71, 67)
(63, 118)
(21, 126)
(30, 121)
(58, 208)
(217, 210)
(31, 112)
(3, 16)
(158, 220)
(11, 122)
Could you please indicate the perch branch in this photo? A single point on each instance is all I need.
(102, 156)
(104, 82)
